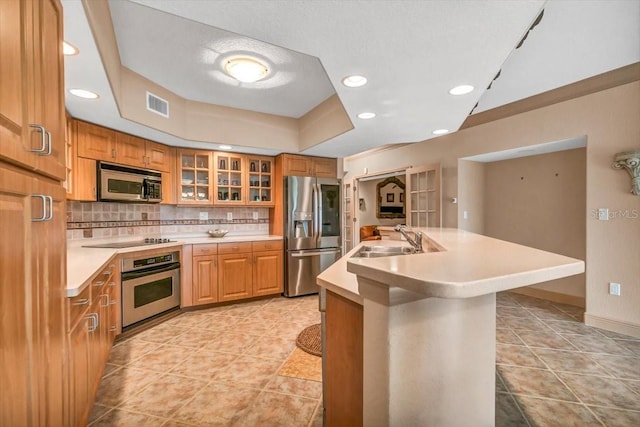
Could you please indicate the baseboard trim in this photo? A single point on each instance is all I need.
(552, 296)
(612, 325)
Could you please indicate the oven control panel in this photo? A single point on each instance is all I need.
(138, 263)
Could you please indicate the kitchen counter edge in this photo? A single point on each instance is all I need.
(83, 263)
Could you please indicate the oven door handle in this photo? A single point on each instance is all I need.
(148, 272)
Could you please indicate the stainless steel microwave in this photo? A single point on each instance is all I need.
(125, 184)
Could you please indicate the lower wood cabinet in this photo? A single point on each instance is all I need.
(232, 271)
(92, 325)
(235, 271)
(205, 274)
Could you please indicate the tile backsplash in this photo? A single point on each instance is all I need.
(103, 220)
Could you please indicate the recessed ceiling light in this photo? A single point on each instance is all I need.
(354, 81)
(366, 115)
(461, 90)
(440, 131)
(225, 147)
(69, 49)
(82, 93)
(245, 69)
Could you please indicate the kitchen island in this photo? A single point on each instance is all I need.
(410, 339)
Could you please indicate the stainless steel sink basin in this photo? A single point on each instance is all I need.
(380, 251)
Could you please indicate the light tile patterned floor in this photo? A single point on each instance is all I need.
(552, 370)
(224, 366)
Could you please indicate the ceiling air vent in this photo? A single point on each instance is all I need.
(157, 105)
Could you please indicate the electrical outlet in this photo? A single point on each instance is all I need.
(603, 214)
(465, 214)
(614, 289)
(204, 216)
(229, 216)
(255, 215)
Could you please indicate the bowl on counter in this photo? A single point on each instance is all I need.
(217, 233)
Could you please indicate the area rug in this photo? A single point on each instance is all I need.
(310, 341)
(302, 365)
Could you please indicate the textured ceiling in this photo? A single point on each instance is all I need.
(188, 57)
(412, 52)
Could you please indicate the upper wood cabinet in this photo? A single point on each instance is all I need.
(230, 179)
(100, 143)
(32, 82)
(260, 180)
(194, 177)
(295, 165)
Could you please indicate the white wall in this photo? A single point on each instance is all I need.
(609, 120)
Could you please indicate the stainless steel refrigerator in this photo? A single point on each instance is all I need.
(312, 231)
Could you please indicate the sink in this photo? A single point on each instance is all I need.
(380, 251)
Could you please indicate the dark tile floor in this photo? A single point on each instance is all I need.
(225, 366)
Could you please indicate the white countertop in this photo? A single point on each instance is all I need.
(470, 265)
(83, 263)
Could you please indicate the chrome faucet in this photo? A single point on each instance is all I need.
(417, 243)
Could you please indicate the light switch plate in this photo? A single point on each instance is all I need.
(255, 215)
(204, 216)
(229, 216)
(603, 214)
(614, 289)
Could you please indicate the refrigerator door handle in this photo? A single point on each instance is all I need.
(319, 212)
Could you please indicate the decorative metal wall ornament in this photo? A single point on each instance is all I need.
(630, 161)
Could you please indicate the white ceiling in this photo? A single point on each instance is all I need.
(188, 57)
(412, 52)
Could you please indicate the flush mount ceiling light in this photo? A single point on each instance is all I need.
(83, 93)
(246, 69)
(69, 49)
(354, 81)
(440, 131)
(461, 90)
(224, 147)
(366, 116)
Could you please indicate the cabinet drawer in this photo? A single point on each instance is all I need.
(209, 249)
(234, 248)
(103, 277)
(77, 306)
(268, 245)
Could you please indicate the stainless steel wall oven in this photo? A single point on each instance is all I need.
(150, 286)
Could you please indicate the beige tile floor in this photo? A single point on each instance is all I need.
(226, 366)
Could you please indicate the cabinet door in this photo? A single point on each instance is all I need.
(194, 177)
(260, 181)
(96, 142)
(267, 273)
(230, 179)
(80, 404)
(159, 156)
(49, 256)
(205, 280)
(49, 90)
(297, 165)
(325, 167)
(17, 407)
(234, 276)
(130, 150)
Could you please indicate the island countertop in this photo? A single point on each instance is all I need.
(467, 265)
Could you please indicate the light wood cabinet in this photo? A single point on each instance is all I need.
(32, 214)
(235, 271)
(130, 150)
(230, 179)
(260, 181)
(159, 157)
(92, 322)
(33, 274)
(295, 165)
(268, 267)
(95, 142)
(32, 81)
(194, 177)
(205, 274)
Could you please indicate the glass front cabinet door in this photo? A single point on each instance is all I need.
(194, 177)
(260, 180)
(230, 173)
